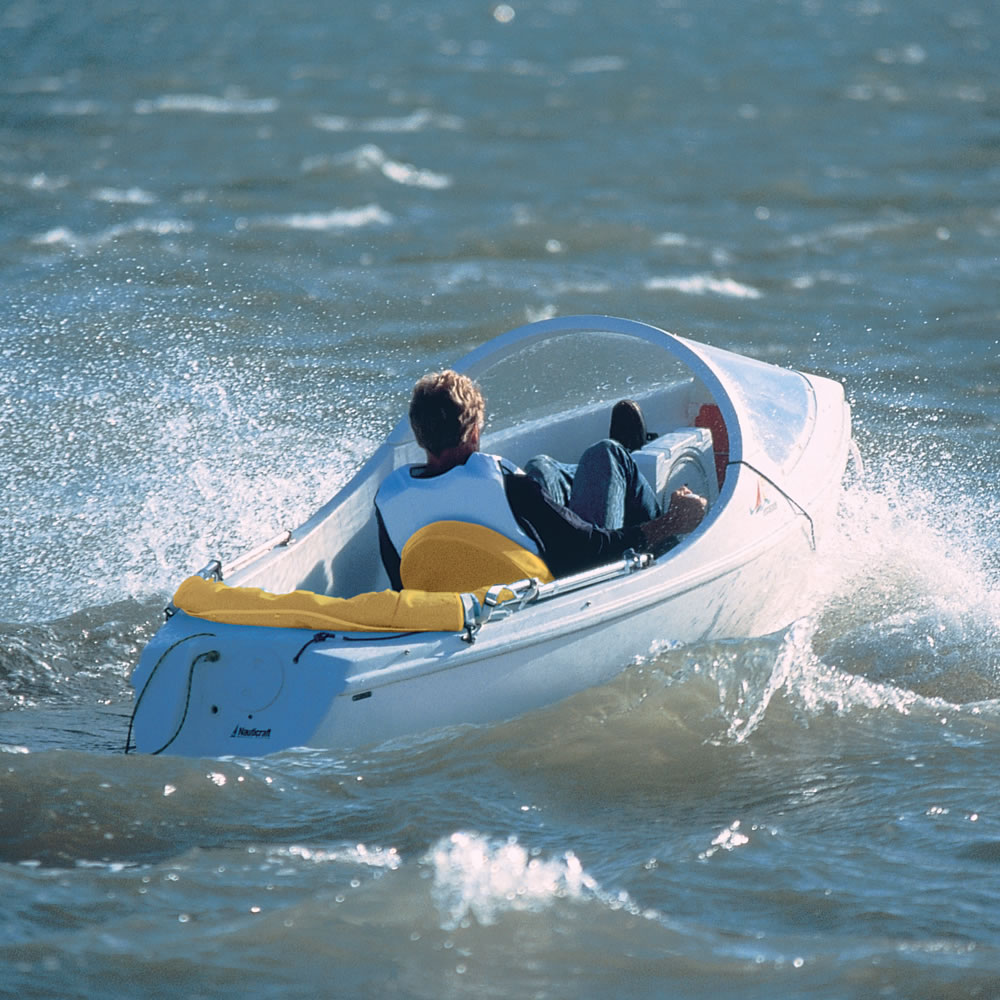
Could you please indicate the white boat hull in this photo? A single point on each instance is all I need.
(210, 689)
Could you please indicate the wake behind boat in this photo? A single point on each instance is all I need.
(301, 643)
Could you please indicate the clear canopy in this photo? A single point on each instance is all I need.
(577, 360)
(572, 370)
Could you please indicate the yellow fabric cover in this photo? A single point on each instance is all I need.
(464, 557)
(384, 611)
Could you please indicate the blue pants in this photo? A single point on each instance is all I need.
(605, 487)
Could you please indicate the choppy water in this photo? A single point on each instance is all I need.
(231, 235)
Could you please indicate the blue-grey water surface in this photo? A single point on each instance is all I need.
(233, 234)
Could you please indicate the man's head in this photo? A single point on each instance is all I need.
(447, 411)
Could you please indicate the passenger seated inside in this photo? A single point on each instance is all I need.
(603, 506)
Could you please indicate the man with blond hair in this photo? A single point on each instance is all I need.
(458, 482)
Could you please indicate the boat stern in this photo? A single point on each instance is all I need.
(209, 689)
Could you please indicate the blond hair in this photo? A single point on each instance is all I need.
(445, 411)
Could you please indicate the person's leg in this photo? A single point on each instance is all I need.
(556, 478)
(609, 490)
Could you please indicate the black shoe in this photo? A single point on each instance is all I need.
(628, 427)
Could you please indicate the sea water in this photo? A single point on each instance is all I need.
(232, 236)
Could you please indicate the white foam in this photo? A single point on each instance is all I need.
(908, 619)
(333, 123)
(369, 158)
(63, 236)
(672, 240)
(340, 218)
(703, 284)
(129, 196)
(207, 104)
(358, 854)
(417, 120)
(816, 687)
(479, 878)
(857, 231)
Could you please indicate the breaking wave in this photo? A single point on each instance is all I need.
(372, 159)
(476, 877)
(704, 284)
(416, 121)
(63, 236)
(340, 218)
(208, 104)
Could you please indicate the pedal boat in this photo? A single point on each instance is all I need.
(301, 643)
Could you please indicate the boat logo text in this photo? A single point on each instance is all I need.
(254, 734)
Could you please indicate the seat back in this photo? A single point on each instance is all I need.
(464, 557)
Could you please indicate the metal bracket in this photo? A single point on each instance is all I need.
(528, 591)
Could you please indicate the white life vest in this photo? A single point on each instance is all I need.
(473, 492)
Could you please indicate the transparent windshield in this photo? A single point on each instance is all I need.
(579, 363)
(572, 370)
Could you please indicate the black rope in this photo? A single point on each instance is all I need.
(378, 638)
(318, 637)
(149, 679)
(798, 507)
(211, 656)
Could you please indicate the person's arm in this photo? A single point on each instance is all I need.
(390, 557)
(566, 542)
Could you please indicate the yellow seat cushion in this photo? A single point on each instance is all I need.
(381, 611)
(459, 556)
